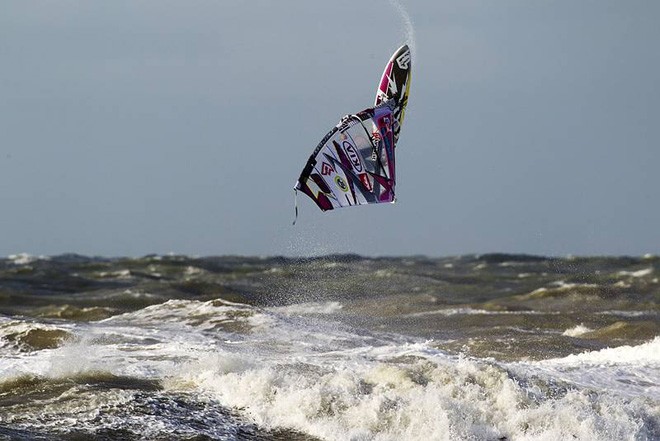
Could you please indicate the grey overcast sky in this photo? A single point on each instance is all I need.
(136, 127)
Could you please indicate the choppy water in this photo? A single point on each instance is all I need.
(343, 347)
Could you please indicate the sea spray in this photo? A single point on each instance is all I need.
(409, 30)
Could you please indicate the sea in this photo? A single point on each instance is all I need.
(336, 347)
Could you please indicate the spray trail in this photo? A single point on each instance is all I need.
(408, 26)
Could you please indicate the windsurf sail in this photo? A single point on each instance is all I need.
(354, 164)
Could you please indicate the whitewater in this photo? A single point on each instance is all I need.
(316, 366)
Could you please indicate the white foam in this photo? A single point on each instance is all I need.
(340, 383)
(119, 274)
(472, 311)
(25, 258)
(426, 395)
(629, 313)
(563, 285)
(309, 308)
(576, 331)
(646, 353)
(639, 273)
(625, 371)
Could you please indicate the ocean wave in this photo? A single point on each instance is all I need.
(411, 393)
(626, 371)
(25, 258)
(647, 354)
(638, 273)
(622, 330)
(31, 336)
(576, 331)
(319, 378)
(167, 347)
(309, 308)
(650, 313)
(211, 315)
(563, 289)
(104, 406)
(76, 313)
(471, 311)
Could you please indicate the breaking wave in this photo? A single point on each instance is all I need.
(230, 348)
(279, 369)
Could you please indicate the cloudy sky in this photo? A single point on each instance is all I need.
(136, 127)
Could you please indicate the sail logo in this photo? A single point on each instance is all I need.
(326, 169)
(353, 156)
(391, 84)
(403, 60)
(341, 183)
(375, 135)
(364, 178)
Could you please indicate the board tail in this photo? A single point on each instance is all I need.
(395, 84)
